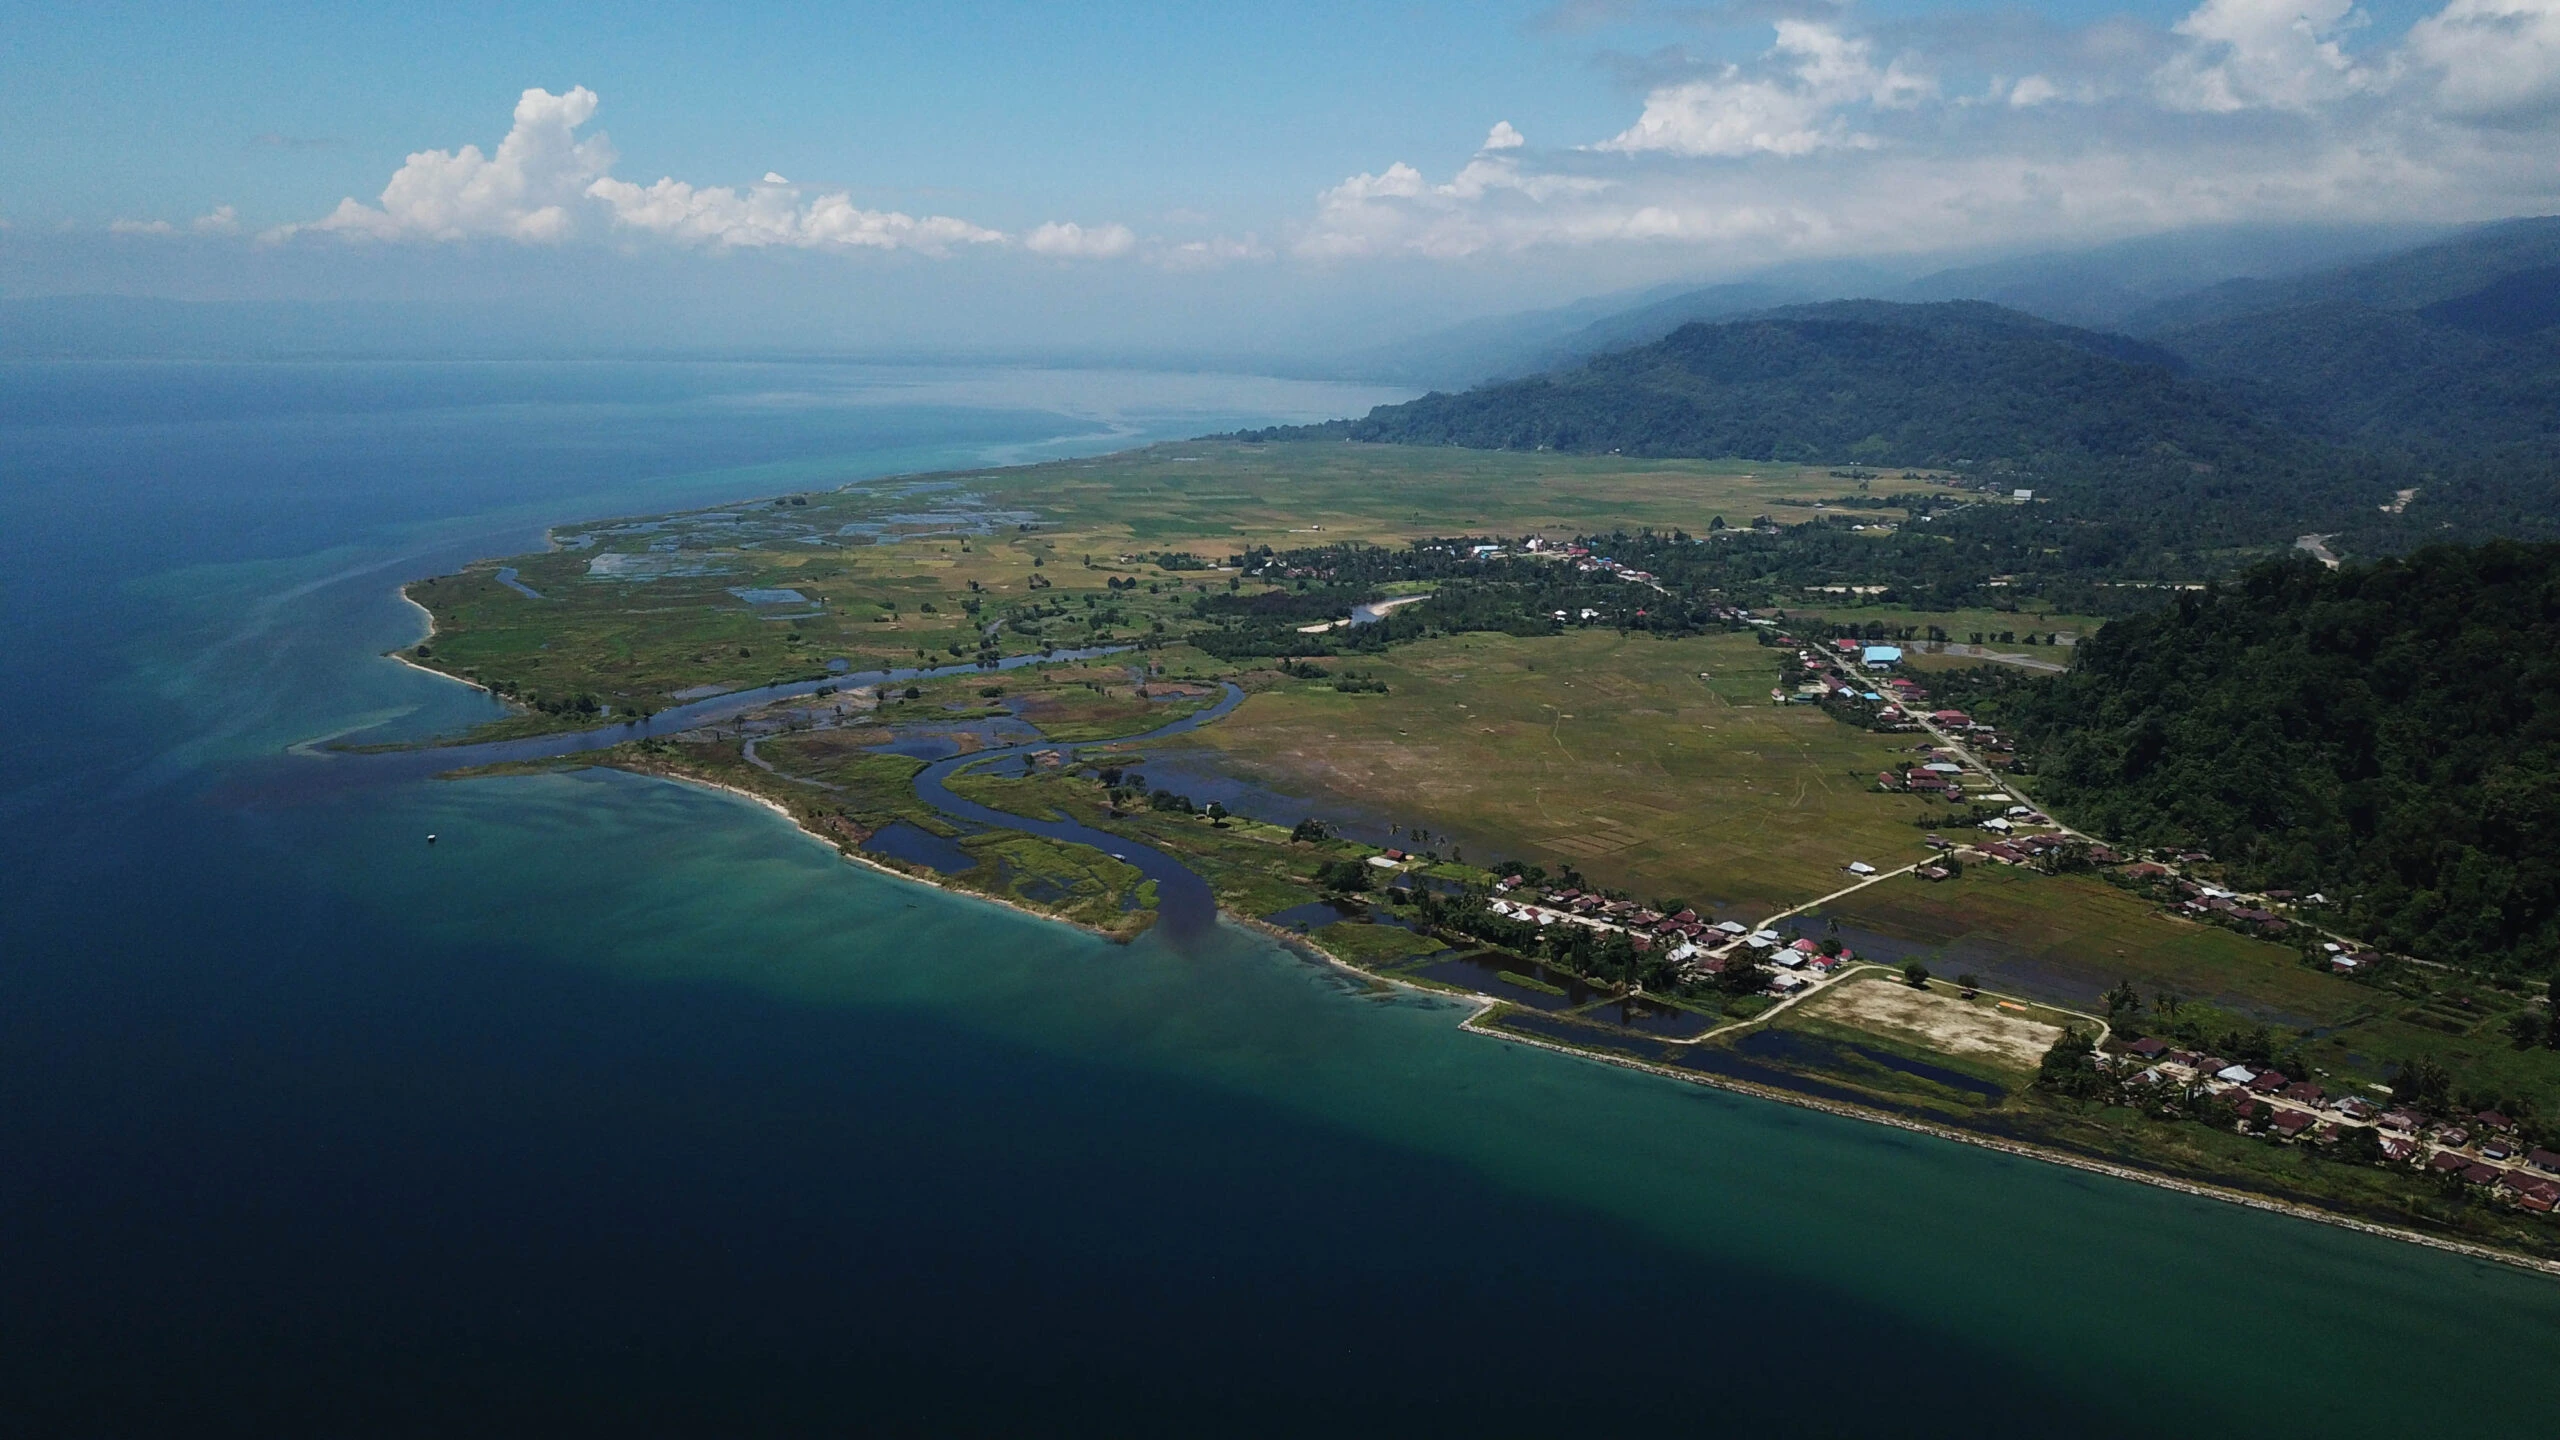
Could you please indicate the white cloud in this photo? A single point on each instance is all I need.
(1399, 210)
(221, 220)
(2242, 111)
(1214, 253)
(2275, 54)
(546, 185)
(532, 189)
(2491, 57)
(2034, 90)
(1791, 102)
(773, 215)
(1068, 239)
(1503, 137)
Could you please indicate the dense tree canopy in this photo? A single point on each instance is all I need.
(1853, 381)
(2386, 734)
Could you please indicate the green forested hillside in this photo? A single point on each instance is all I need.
(2106, 429)
(2451, 350)
(2388, 735)
(1855, 381)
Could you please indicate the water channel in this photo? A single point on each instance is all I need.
(1186, 908)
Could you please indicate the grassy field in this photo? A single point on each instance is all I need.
(2081, 925)
(641, 614)
(1607, 753)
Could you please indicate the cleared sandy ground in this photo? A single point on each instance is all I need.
(1939, 1020)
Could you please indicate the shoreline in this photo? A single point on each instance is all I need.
(856, 857)
(2048, 1154)
(1486, 1004)
(395, 656)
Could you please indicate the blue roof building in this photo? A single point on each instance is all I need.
(1881, 657)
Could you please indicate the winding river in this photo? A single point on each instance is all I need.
(1185, 906)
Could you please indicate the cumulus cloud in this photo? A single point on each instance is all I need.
(532, 188)
(2490, 57)
(1838, 140)
(545, 184)
(774, 214)
(1796, 99)
(2280, 54)
(1068, 239)
(1397, 209)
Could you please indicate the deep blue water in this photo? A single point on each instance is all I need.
(627, 1107)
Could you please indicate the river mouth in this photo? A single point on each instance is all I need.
(1186, 907)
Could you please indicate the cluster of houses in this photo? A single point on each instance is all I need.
(2198, 900)
(1699, 945)
(1645, 926)
(1853, 670)
(2482, 1149)
(1578, 556)
(1587, 563)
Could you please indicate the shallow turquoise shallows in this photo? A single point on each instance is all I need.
(627, 1106)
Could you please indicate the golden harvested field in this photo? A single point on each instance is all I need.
(1601, 751)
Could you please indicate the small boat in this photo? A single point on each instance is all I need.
(431, 839)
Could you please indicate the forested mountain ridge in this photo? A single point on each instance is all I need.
(1852, 382)
(2450, 351)
(2409, 280)
(2388, 735)
(2105, 427)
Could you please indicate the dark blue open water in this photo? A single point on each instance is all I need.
(626, 1107)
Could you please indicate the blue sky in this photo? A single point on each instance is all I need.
(1307, 155)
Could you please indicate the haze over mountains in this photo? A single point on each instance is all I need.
(2241, 413)
(2435, 352)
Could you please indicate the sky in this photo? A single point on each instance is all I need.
(1209, 174)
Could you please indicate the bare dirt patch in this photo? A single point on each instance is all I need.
(1939, 1020)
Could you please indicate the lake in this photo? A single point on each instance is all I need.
(627, 1106)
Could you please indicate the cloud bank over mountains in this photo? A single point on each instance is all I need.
(1966, 130)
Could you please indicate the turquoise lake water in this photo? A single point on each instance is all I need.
(627, 1106)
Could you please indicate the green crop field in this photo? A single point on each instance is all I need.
(2087, 926)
